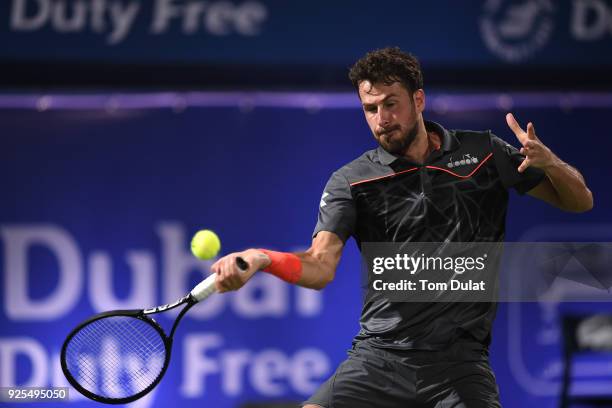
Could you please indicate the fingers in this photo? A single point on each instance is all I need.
(233, 275)
(526, 163)
(529, 146)
(216, 268)
(515, 127)
(531, 132)
(228, 275)
(223, 276)
(536, 154)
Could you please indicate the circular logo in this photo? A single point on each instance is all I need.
(515, 30)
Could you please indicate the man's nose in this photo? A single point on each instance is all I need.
(384, 118)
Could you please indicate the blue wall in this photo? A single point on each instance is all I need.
(98, 198)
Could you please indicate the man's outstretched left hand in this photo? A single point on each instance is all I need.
(535, 152)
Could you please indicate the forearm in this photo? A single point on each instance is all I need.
(312, 269)
(569, 185)
(317, 270)
(565, 186)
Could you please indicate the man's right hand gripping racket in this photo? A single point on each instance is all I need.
(119, 356)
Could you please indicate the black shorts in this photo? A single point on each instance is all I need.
(457, 377)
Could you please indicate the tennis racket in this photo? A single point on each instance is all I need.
(119, 356)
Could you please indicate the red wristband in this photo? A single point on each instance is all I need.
(284, 265)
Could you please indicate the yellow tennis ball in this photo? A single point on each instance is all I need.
(205, 244)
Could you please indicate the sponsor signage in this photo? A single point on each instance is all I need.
(491, 33)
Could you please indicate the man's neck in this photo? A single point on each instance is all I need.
(424, 143)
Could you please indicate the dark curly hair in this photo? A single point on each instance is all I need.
(388, 65)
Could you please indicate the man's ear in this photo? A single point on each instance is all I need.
(418, 98)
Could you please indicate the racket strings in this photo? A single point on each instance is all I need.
(112, 354)
(92, 332)
(116, 356)
(108, 363)
(116, 350)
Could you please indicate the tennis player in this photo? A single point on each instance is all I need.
(423, 183)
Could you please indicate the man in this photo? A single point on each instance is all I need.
(422, 184)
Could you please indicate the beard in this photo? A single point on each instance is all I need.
(394, 144)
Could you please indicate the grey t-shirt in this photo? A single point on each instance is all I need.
(460, 194)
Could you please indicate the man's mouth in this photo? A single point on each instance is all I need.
(388, 132)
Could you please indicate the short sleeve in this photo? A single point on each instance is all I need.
(337, 212)
(507, 160)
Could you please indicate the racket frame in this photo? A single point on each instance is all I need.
(140, 314)
(199, 293)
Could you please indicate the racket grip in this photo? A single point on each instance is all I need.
(207, 287)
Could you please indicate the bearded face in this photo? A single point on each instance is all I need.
(397, 139)
(391, 114)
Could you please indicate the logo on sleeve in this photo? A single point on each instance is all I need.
(323, 203)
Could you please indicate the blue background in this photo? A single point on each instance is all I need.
(254, 173)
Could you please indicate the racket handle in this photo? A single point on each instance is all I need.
(207, 287)
(242, 264)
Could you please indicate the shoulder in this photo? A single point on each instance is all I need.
(480, 140)
(473, 136)
(358, 168)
